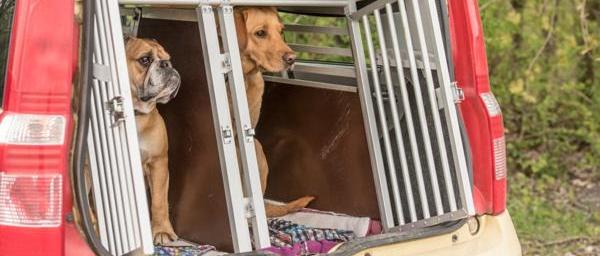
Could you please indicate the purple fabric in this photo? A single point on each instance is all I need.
(304, 248)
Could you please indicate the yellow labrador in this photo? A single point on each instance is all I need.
(262, 48)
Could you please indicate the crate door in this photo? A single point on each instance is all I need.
(114, 158)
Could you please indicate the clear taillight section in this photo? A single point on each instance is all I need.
(28, 200)
(500, 158)
(491, 104)
(28, 129)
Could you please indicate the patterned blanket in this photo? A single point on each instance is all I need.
(287, 238)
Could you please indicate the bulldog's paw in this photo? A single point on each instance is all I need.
(163, 235)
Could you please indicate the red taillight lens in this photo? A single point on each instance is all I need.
(30, 200)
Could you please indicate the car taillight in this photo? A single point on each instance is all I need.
(480, 110)
(491, 104)
(26, 129)
(30, 200)
(499, 158)
(36, 127)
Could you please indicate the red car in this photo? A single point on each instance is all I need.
(41, 63)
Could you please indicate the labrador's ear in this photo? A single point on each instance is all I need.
(241, 16)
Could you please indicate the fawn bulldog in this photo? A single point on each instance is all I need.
(153, 80)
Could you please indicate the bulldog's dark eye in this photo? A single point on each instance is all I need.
(145, 60)
(261, 33)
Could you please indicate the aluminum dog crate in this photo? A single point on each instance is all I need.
(399, 70)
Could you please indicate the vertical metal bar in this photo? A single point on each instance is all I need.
(105, 128)
(104, 215)
(451, 114)
(364, 92)
(243, 124)
(112, 92)
(222, 124)
(121, 142)
(95, 167)
(420, 108)
(130, 129)
(117, 174)
(393, 108)
(381, 111)
(407, 113)
(434, 108)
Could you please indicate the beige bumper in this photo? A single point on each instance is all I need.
(496, 236)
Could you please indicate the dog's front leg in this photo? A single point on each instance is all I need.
(162, 230)
(263, 167)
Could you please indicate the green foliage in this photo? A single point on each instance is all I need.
(317, 39)
(6, 12)
(543, 212)
(544, 70)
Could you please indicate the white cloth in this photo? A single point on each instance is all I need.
(330, 220)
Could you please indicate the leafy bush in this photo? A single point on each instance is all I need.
(545, 73)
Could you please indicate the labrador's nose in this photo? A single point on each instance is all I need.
(289, 58)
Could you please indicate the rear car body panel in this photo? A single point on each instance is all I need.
(40, 70)
(496, 236)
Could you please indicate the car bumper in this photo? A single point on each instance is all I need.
(495, 235)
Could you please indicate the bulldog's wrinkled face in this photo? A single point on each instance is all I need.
(153, 79)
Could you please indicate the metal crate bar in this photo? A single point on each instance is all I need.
(450, 111)
(122, 171)
(222, 124)
(394, 111)
(128, 141)
(382, 119)
(417, 91)
(115, 169)
(435, 113)
(370, 122)
(320, 3)
(321, 50)
(427, 168)
(311, 84)
(244, 128)
(407, 114)
(97, 153)
(298, 28)
(369, 9)
(110, 162)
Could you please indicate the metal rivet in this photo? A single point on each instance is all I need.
(473, 224)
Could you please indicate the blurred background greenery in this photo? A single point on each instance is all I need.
(544, 64)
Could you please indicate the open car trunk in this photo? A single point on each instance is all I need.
(314, 141)
(377, 136)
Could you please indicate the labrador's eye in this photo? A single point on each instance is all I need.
(261, 33)
(145, 60)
